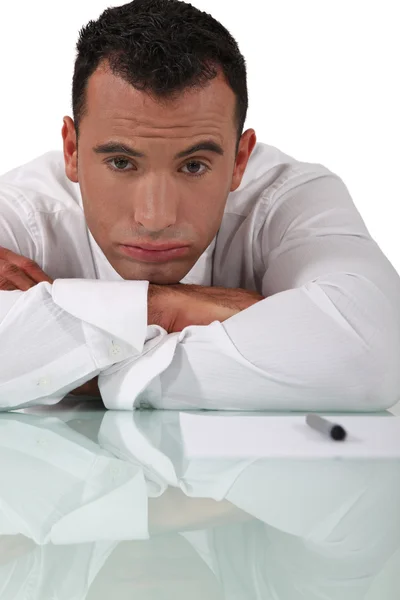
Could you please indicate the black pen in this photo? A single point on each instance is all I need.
(333, 430)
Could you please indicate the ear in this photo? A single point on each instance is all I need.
(70, 149)
(246, 145)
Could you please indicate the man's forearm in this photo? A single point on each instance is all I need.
(177, 306)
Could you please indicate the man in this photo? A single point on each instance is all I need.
(248, 281)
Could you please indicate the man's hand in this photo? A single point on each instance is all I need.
(18, 272)
(176, 306)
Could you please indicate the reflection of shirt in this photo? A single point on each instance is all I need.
(322, 529)
(326, 336)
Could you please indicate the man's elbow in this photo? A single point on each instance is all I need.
(382, 379)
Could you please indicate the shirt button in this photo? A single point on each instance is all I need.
(115, 350)
(43, 382)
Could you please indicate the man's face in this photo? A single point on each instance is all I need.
(157, 198)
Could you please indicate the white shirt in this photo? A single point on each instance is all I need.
(326, 336)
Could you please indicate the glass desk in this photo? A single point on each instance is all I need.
(100, 505)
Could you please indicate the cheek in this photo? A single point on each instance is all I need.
(201, 218)
(100, 201)
(211, 210)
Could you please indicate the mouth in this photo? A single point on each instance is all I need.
(155, 253)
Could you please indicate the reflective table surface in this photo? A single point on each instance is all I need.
(99, 504)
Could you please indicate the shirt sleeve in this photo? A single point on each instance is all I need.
(326, 337)
(55, 337)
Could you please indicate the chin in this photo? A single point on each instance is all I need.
(160, 275)
(161, 279)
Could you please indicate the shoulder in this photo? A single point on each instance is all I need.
(269, 174)
(40, 185)
(39, 209)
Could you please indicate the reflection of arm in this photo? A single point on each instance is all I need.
(174, 511)
(34, 452)
(14, 546)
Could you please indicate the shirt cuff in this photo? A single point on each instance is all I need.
(121, 385)
(117, 308)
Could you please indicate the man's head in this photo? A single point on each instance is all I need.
(159, 77)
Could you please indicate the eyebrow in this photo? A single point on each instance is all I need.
(117, 148)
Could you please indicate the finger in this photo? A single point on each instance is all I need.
(34, 271)
(11, 275)
(25, 264)
(7, 286)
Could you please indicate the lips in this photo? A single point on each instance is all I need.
(157, 247)
(159, 253)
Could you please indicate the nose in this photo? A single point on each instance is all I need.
(155, 205)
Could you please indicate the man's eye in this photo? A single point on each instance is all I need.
(196, 162)
(119, 161)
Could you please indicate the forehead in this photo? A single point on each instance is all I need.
(110, 98)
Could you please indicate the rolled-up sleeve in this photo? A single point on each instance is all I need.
(326, 336)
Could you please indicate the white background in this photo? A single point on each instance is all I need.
(323, 79)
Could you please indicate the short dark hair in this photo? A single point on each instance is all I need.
(162, 47)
